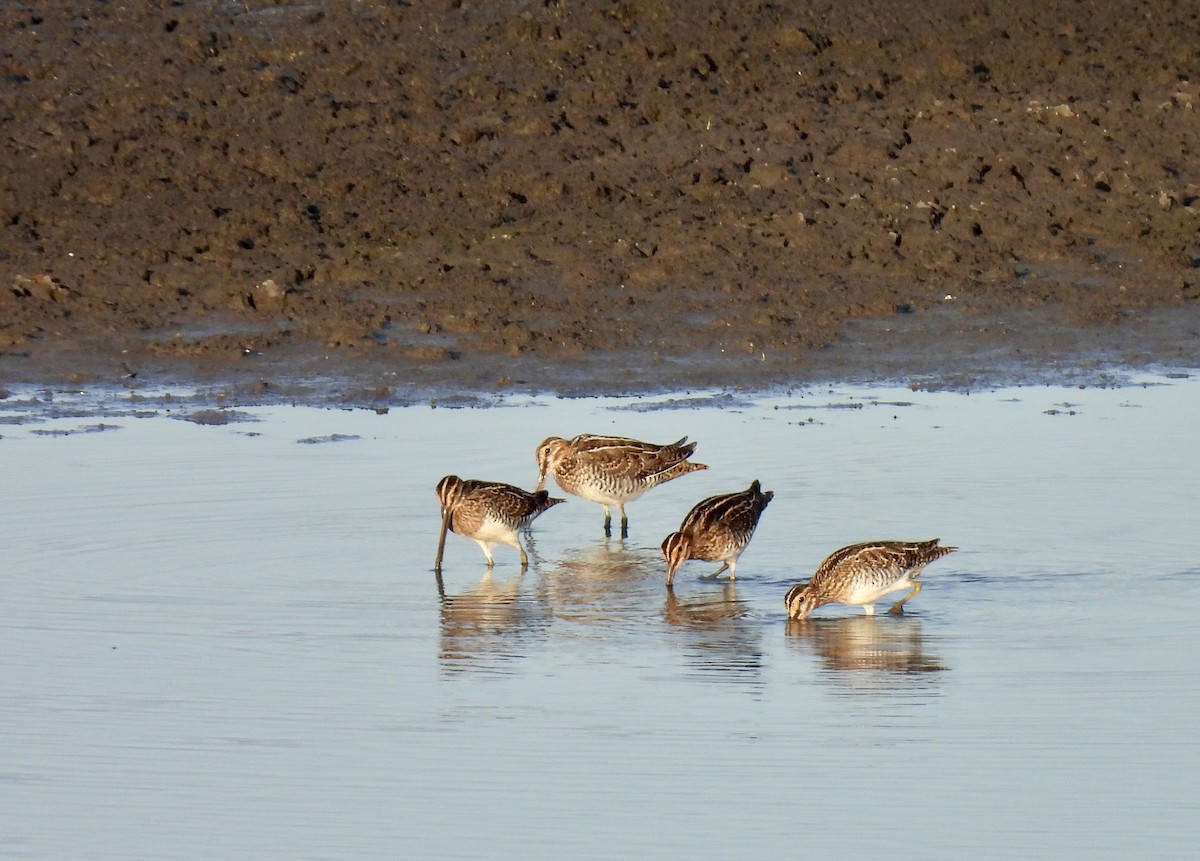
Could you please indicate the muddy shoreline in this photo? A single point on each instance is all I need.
(375, 202)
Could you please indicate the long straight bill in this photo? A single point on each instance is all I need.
(437, 566)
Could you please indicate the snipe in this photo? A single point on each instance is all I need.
(612, 470)
(717, 529)
(488, 512)
(861, 574)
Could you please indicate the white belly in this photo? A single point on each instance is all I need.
(494, 531)
(594, 493)
(869, 593)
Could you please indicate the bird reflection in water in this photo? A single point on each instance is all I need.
(722, 639)
(706, 612)
(888, 646)
(489, 626)
(604, 583)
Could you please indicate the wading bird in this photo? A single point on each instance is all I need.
(861, 574)
(488, 512)
(612, 470)
(717, 529)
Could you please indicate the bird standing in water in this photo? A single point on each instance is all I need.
(488, 512)
(861, 574)
(717, 529)
(612, 470)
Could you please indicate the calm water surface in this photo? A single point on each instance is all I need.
(227, 641)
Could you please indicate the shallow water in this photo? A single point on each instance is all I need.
(226, 640)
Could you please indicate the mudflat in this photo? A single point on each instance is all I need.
(381, 198)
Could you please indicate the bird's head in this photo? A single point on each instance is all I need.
(800, 601)
(449, 490)
(549, 455)
(676, 548)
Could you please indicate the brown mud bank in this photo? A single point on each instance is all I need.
(374, 198)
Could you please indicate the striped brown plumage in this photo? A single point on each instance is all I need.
(861, 574)
(612, 470)
(717, 529)
(489, 512)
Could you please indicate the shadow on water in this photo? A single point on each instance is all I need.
(720, 637)
(868, 652)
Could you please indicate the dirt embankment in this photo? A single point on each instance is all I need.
(640, 193)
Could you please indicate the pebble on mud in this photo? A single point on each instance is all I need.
(267, 297)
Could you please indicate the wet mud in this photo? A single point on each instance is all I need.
(594, 196)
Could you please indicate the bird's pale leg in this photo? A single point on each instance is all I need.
(715, 574)
(487, 551)
(869, 609)
(624, 520)
(607, 522)
(898, 607)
